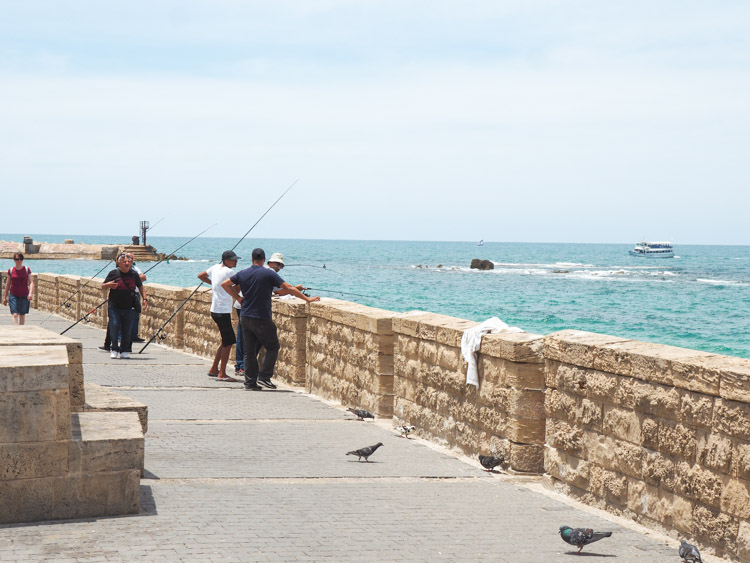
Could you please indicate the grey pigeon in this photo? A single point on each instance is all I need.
(404, 431)
(361, 413)
(690, 553)
(365, 452)
(489, 462)
(581, 536)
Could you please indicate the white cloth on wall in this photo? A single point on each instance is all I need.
(472, 339)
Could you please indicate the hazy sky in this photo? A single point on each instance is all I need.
(529, 120)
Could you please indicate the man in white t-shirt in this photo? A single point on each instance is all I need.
(221, 312)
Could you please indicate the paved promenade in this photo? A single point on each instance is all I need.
(239, 476)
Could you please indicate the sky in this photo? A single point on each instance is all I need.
(533, 121)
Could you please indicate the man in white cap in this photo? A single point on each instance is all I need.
(276, 263)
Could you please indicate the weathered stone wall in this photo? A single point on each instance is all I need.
(503, 416)
(290, 316)
(656, 433)
(350, 355)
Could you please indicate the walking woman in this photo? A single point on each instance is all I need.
(20, 285)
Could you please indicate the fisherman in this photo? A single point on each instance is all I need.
(221, 312)
(257, 283)
(136, 323)
(122, 282)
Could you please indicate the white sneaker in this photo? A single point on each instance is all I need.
(114, 355)
(125, 355)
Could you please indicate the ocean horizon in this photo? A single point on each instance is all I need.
(700, 299)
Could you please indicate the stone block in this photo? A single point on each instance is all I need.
(577, 347)
(567, 468)
(565, 437)
(612, 454)
(525, 430)
(514, 346)
(714, 528)
(524, 375)
(106, 441)
(609, 485)
(33, 367)
(624, 424)
(666, 508)
(26, 500)
(698, 483)
(741, 460)
(33, 416)
(735, 499)
(101, 399)
(732, 417)
(743, 541)
(696, 409)
(714, 451)
(658, 470)
(648, 398)
(734, 377)
(527, 458)
(31, 460)
(677, 440)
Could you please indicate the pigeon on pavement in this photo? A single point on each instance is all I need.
(581, 536)
(405, 431)
(690, 553)
(489, 462)
(361, 413)
(365, 452)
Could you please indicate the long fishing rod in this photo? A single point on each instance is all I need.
(64, 303)
(87, 315)
(159, 332)
(342, 292)
(323, 267)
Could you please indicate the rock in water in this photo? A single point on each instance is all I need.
(690, 553)
(581, 536)
(361, 413)
(477, 264)
(365, 452)
(489, 462)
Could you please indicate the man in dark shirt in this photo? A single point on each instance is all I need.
(257, 283)
(121, 283)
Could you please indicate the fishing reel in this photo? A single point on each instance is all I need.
(66, 305)
(161, 335)
(87, 318)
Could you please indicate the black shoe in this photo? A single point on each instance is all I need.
(138, 339)
(105, 348)
(266, 383)
(253, 388)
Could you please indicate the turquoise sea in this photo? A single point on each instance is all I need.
(700, 299)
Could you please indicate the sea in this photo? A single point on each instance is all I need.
(699, 299)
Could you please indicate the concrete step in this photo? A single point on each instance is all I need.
(102, 399)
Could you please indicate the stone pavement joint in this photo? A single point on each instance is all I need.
(235, 476)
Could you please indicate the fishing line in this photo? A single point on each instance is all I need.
(87, 315)
(341, 292)
(159, 332)
(323, 267)
(64, 303)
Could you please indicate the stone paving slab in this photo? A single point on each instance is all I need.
(319, 520)
(278, 449)
(232, 402)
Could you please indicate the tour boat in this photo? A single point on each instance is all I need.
(646, 249)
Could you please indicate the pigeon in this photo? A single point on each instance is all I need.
(581, 536)
(489, 462)
(690, 553)
(405, 431)
(361, 413)
(365, 452)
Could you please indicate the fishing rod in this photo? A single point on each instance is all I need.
(65, 303)
(337, 291)
(160, 331)
(323, 267)
(92, 311)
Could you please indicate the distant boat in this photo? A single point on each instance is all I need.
(645, 249)
(481, 242)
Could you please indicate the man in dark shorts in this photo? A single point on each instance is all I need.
(257, 283)
(221, 312)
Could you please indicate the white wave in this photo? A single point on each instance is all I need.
(191, 260)
(721, 282)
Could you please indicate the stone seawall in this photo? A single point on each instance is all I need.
(655, 433)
